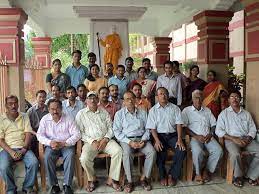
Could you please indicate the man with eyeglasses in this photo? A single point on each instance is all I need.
(238, 129)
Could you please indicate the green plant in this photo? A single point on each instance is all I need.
(186, 66)
(235, 81)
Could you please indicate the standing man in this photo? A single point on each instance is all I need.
(146, 63)
(120, 80)
(140, 101)
(237, 127)
(105, 104)
(77, 72)
(129, 129)
(200, 125)
(91, 59)
(96, 128)
(165, 123)
(114, 96)
(71, 106)
(36, 112)
(81, 92)
(15, 139)
(130, 73)
(59, 134)
(172, 83)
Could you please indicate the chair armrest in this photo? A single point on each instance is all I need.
(187, 139)
(41, 149)
(79, 145)
(221, 142)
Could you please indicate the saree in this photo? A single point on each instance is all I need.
(212, 98)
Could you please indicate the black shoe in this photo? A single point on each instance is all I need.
(67, 189)
(55, 189)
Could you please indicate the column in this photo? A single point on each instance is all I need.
(161, 52)
(252, 56)
(213, 42)
(12, 21)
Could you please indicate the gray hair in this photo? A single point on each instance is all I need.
(197, 92)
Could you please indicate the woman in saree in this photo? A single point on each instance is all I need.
(193, 83)
(56, 77)
(148, 85)
(214, 94)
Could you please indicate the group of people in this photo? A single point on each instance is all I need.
(122, 114)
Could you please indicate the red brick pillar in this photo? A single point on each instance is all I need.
(252, 56)
(42, 50)
(213, 42)
(161, 52)
(12, 21)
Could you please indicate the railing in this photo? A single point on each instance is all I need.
(3, 82)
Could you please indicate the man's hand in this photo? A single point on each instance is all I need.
(141, 144)
(134, 144)
(16, 155)
(23, 151)
(239, 141)
(180, 144)
(61, 145)
(103, 144)
(208, 138)
(158, 146)
(54, 145)
(200, 138)
(95, 144)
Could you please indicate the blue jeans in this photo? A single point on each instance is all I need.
(50, 159)
(6, 170)
(169, 141)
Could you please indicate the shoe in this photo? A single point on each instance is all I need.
(67, 189)
(55, 189)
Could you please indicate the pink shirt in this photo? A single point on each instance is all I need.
(65, 130)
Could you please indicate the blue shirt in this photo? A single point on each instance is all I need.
(164, 119)
(127, 125)
(72, 111)
(77, 75)
(121, 83)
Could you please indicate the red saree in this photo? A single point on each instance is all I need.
(212, 99)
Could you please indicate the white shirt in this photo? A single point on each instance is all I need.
(164, 119)
(94, 125)
(235, 124)
(198, 121)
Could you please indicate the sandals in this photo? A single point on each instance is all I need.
(238, 182)
(145, 184)
(253, 182)
(115, 186)
(90, 186)
(206, 176)
(198, 179)
(171, 181)
(128, 188)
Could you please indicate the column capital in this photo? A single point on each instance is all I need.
(161, 44)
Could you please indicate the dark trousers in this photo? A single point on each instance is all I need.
(169, 141)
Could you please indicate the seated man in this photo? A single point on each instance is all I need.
(55, 94)
(71, 106)
(59, 134)
(81, 92)
(114, 96)
(96, 128)
(15, 138)
(36, 112)
(104, 103)
(200, 125)
(237, 127)
(141, 102)
(165, 123)
(129, 129)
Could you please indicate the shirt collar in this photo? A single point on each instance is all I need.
(19, 116)
(109, 104)
(120, 79)
(76, 67)
(135, 112)
(44, 109)
(172, 76)
(87, 109)
(232, 110)
(68, 105)
(159, 106)
(194, 109)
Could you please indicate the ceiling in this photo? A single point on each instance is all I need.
(149, 17)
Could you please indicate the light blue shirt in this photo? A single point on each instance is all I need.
(72, 111)
(235, 124)
(77, 75)
(164, 119)
(127, 125)
(121, 83)
(152, 75)
(199, 121)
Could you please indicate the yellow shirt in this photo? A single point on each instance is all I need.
(95, 85)
(13, 132)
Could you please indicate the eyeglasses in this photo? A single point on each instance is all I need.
(235, 97)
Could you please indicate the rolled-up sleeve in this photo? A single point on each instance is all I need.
(220, 128)
(251, 126)
(27, 124)
(185, 117)
(178, 114)
(151, 120)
